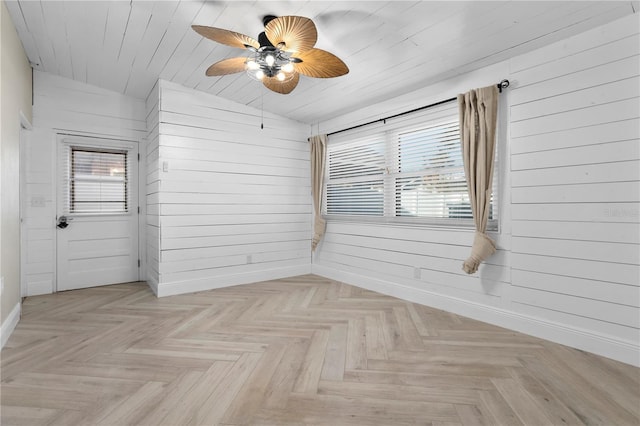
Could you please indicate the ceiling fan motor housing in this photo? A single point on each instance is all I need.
(264, 40)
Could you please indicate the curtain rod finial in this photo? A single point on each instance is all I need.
(503, 85)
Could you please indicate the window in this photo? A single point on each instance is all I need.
(409, 169)
(356, 178)
(97, 180)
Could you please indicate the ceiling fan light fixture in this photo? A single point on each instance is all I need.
(271, 58)
(269, 62)
(288, 67)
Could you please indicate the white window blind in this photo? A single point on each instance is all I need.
(356, 178)
(407, 169)
(95, 180)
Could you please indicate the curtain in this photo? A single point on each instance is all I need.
(318, 149)
(478, 112)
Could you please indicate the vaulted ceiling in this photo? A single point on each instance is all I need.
(391, 47)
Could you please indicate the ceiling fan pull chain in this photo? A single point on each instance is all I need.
(262, 109)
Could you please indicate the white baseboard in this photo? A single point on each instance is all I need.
(607, 346)
(9, 324)
(192, 286)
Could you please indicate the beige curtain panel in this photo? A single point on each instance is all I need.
(478, 115)
(318, 149)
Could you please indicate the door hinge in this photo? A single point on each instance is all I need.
(138, 263)
(138, 157)
(138, 209)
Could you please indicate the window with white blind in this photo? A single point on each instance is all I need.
(356, 178)
(96, 180)
(407, 169)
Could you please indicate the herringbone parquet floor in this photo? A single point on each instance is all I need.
(304, 350)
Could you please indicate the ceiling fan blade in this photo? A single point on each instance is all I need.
(296, 32)
(227, 66)
(319, 63)
(229, 38)
(283, 87)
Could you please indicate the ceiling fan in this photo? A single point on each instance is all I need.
(282, 52)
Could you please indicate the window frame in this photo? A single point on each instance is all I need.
(413, 122)
(71, 206)
(65, 146)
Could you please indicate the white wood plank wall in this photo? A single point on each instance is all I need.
(66, 106)
(575, 160)
(152, 189)
(234, 201)
(568, 264)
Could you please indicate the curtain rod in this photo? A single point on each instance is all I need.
(502, 85)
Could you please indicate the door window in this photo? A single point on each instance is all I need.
(97, 181)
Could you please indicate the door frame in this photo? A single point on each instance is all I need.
(59, 135)
(25, 126)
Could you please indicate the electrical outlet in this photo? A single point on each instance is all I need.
(249, 259)
(165, 166)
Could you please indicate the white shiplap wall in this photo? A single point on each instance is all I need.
(575, 160)
(567, 268)
(62, 105)
(233, 200)
(152, 189)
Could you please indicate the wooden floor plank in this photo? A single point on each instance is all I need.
(502, 413)
(253, 393)
(297, 351)
(311, 369)
(590, 403)
(522, 403)
(188, 408)
(133, 407)
(177, 392)
(474, 415)
(335, 356)
(555, 410)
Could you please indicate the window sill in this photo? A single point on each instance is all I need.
(422, 223)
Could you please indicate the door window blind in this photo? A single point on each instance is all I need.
(95, 180)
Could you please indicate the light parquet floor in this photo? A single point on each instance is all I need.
(296, 351)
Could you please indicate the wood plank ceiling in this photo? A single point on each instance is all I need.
(391, 47)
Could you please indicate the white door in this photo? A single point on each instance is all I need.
(97, 212)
